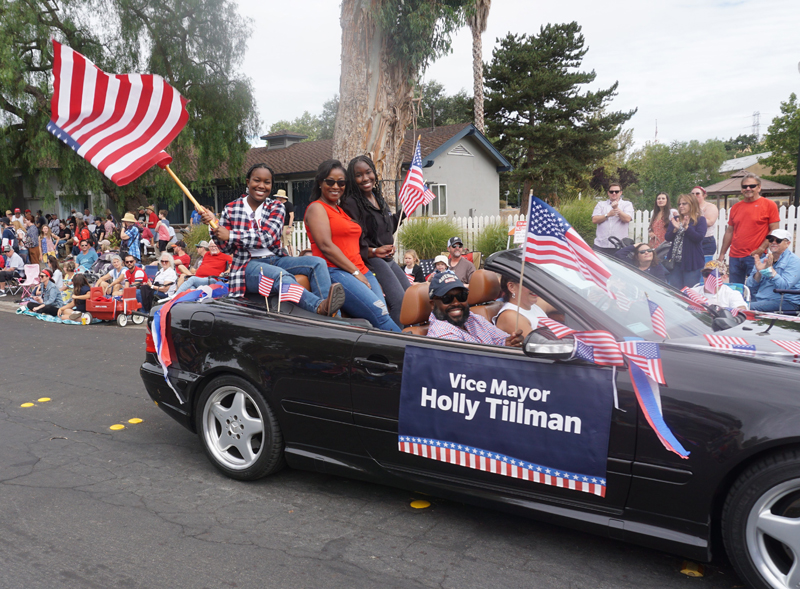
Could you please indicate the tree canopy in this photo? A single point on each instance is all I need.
(549, 129)
(437, 108)
(315, 126)
(783, 138)
(196, 45)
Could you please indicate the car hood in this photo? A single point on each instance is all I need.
(760, 332)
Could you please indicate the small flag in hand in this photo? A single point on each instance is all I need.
(657, 318)
(291, 293)
(414, 192)
(713, 282)
(265, 286)
(410, 278)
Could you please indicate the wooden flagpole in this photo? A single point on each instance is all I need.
(522, 270)
(266, 297)
(280, 292)
(200, 208)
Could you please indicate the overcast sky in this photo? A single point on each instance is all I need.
(701, 67)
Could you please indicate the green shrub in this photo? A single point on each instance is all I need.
(427, 236)
(578, 213)
(493, 238)
(196, 234)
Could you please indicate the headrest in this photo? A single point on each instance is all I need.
(416, 304)
(484, 286)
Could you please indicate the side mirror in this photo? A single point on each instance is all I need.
(538, 346)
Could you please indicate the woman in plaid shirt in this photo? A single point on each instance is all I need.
(250, 230)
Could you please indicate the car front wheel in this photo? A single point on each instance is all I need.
(761, 522)
(239, 432)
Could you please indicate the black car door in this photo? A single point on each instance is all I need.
(376, 379)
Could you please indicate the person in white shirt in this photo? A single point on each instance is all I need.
(529, 312)
(726, 296)
(14, 266)
(612, 217)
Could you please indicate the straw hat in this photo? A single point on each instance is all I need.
(129, 218)
(281, 194)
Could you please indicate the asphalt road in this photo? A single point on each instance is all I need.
(85, 506)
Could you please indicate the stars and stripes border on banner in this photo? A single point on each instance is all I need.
(478, 459)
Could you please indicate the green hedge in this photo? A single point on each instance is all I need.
(427, 236)
(493, 238)
(578, 213)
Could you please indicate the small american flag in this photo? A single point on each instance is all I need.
(605, 348)
(427, 266)
(413, 192)
(647, 356)
(265, 286)
(657, 317)
(291, 293)
(734, 310)
(552, 240)
(623, 302)
(559, 329)
(410, 278)
(720, 341)
(584, 351)
(713, 282)
(694, 297)
(118, 123)
(788, 345)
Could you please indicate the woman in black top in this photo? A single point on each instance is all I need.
(364, 204)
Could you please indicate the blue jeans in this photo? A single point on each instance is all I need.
(772, 305)
(253, 272)
(315, 269)
(739, 268)
(363, 302)
(194, 282)
(680, 278)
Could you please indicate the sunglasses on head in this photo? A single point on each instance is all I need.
(461, 296)
(748, 186)
(331, 182)
(775, 239)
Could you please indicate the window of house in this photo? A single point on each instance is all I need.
(438, 206)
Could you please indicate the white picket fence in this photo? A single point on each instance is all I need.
(471, 227)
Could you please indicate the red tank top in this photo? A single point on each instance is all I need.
(345, 234)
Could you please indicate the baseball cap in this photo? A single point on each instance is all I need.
(17, 211)
(454, 240)
(6, 248)
(181, 244)
(203, 244)
(781, 234)
(444, 282)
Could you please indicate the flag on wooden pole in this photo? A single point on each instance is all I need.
(414, 192)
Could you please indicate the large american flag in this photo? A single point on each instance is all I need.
(551, 240)
(647, 356)
(414, 192)
(118, 123)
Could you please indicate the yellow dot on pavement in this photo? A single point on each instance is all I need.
(117, 426)
(135, 420)
(43, 400)
(27, 405)
(420, 504)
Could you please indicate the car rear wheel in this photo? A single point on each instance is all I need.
(761, 522)
(239, 432)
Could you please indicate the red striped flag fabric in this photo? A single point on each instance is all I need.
(414, 192)
(647, 356)
(291, 293)
(725, 341)
(694, 297)
(658, 320)
(788, 345)
(265, 286)
(713, 282)
(119, 123)
(552, 240)
(605, 348)
(410, 278)
(559, 329)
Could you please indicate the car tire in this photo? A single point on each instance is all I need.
(238, 430)
(761, 522)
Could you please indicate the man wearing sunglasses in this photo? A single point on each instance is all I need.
(611, 217)
(778, 268)
(450, 317)
(749, 222)
(460, 265)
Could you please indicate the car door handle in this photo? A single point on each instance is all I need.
(375, 365)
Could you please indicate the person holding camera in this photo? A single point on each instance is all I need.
(686, 231)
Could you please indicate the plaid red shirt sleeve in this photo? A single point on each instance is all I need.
(478, 331)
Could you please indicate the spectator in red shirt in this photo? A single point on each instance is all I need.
(134, 276)
(183, 261)
(213, 265)
(750, 221)
(152, 218)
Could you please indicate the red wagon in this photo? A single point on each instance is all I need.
(100, 307)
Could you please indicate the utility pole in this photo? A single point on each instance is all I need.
(757, 125)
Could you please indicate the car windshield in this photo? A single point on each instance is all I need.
(630, 309)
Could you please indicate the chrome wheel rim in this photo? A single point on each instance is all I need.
(773, 535)
(233, 428)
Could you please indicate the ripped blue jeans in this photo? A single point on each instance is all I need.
(363, 302)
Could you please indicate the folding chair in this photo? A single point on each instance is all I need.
(742, 288)
(151, 271)
(31, 280)
(782, 292)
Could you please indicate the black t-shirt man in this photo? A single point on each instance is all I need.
(289, 210)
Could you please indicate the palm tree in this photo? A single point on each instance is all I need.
(477, 22)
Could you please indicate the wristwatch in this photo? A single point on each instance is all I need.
(356, 273)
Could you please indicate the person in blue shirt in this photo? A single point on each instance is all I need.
(778, 268)
(87, 257)
(130, 236)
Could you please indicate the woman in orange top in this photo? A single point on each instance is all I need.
(335, 237)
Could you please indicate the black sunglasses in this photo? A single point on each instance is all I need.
(330, 182)
(461, 297)
(130, 261)
(614, 191)
(646, 251)
(748, 186)
(775, 239)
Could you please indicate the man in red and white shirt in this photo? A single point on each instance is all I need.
(213, 265)
(134, 276)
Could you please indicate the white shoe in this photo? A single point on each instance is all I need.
(3, 293)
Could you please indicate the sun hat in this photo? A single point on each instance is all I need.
(440, 258)
(129, 218)
(281, 194)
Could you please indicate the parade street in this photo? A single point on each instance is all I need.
(85, 505)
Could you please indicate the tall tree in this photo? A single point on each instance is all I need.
(315, 126)
(477, 18)
(386, 44)
(440, 109)
(783, 138)
(196, 45)
(543, 123)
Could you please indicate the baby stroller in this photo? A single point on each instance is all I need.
(100, 268)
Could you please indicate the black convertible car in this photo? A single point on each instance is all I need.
(263, 389)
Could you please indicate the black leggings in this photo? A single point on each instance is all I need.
(162, 245)
(47, 309)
